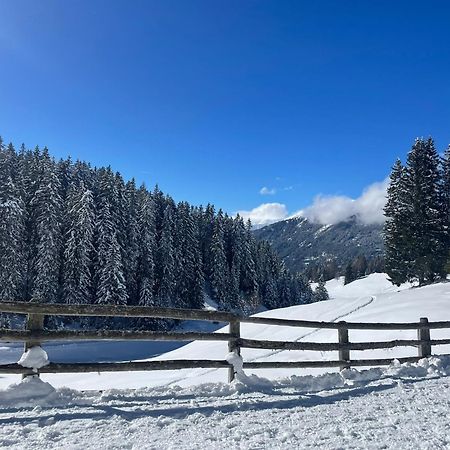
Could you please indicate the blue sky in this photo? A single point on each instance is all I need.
(216, 99)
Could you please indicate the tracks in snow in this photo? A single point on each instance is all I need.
(316, 330)
(276, 352)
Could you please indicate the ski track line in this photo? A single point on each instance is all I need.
(276, 352)
(316, 330)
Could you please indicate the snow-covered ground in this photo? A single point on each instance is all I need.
(372, 299)
(401, 407)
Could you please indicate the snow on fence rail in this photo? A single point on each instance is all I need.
(35, 334)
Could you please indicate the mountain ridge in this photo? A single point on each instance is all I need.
(307, 246)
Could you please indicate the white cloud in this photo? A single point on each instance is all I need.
(266, 191)
(265, 214)
(368, 208)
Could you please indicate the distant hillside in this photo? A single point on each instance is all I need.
(304, 245)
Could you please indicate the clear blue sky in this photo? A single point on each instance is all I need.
(215, 99)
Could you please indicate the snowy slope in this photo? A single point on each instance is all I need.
(372, 299)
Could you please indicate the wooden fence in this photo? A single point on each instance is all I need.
(35, 335)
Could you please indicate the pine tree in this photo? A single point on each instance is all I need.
(189, 284)
(249, 282)
(131, 238)
(445, 196)
(321, 293)
(397, 234)
(12, 213)
(219, 269)
(428, 249)
(360, 266)
(349, 274)
(78, 248)
(110, 286)
(267, 270)
(47, 205)
(304, 292)
(166, 263)
(145, 273)
(284, 289)
(112, 289)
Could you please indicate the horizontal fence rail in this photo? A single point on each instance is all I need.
(348, 325)
(35, 335)
(51, 309)
(333, 346)
(108, 335)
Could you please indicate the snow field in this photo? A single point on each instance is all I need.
(372, 299)
(402, 406)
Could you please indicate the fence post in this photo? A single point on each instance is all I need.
(233, 344)
(344, 354)
(423, 334)
(35, 322)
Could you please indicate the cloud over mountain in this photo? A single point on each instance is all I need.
(367, 208)
(327, 209)
(265, 214)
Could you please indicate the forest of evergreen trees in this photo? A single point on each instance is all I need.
(416, 232)
(71, 233)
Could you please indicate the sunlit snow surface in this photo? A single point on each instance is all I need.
(372, 299)
(401, 406)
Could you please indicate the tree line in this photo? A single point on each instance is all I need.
(416, 232)
(357, 267)
(71, 233)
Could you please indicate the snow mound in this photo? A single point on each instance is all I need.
(32, 391)
(34, 358)
(237, 362)
(28, 390)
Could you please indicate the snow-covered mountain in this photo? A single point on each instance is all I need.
(300, 242)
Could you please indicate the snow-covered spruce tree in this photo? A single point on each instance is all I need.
(284, 289)
(398, 237)
(424, 205)
(349, 274)
(445, 196)
(28, 182)
(248, 283)
(12, 213)
(145, 272)
(219, 269)
(189, 274)
(207, 219)
(233, 241)
(78, 248)
(360, 266)
(110, 289)
(267, 276)
(64, 172)
(123, 222)
(304, 292)
(321, 293)
(165, 283)
(131, 237)
(47, 209)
